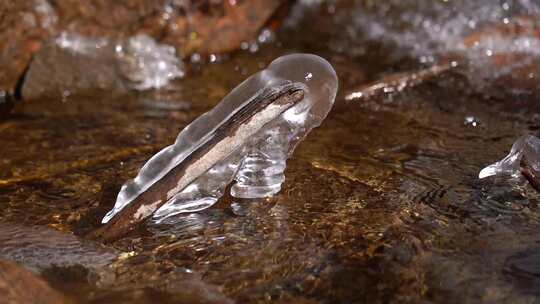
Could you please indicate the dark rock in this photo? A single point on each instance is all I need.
(24, 25)
(6, 103)
(211, 33)
(59, 72)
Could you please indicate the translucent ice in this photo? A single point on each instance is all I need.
(147, 64)
(524, 158)
(258, 152)
(78, 44)
(428, 28)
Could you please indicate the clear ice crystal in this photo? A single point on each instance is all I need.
(46, 14)
(81, 45)
(527, 146)
(147, 64)
(258, 166)
(429, 28)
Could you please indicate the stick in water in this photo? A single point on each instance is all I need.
(229, 136)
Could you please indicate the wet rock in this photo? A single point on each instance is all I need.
(24, 24)
(75, 64)
(59, 72)
(190, 26)
(18, 285)
(223, 32)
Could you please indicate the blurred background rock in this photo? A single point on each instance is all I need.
(60, 47)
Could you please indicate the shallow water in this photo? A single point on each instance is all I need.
(381, 203)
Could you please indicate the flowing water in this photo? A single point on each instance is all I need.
(382, 203)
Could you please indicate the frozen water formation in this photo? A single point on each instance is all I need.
(141, 61)
(524, 158)
(147, 64)
(428, 28)
(247, 138)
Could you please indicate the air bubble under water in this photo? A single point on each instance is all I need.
(258, 166)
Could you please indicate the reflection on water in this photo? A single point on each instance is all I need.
(381, 203)
(40, 248)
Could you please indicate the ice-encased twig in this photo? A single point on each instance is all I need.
(218, 145)
(258, 165)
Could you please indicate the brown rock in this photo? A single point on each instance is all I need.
(18, 285)
(24, 26)
(208, 34)
(60, 72)
(191, 26)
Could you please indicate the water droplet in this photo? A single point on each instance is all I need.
(471, 121)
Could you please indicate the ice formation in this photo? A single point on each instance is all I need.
(524, 158)
(147, 64)
(141, 61)
(259, 152)
(430, 28)
(82, 45)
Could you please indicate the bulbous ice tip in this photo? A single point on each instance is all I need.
(488, 171)
(526, 146)
(315, 72)
(303, 67)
